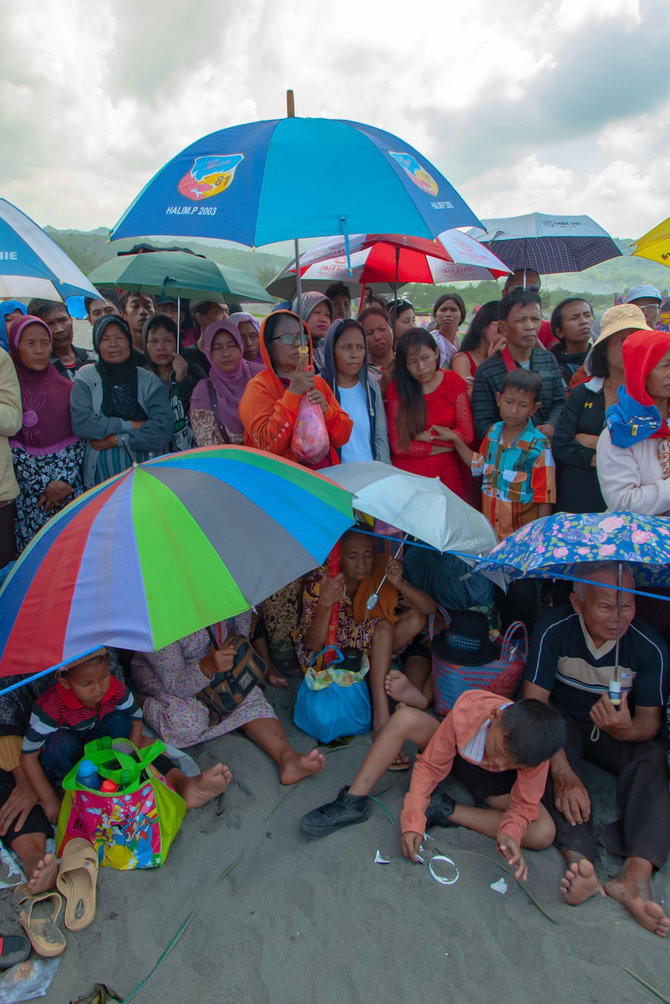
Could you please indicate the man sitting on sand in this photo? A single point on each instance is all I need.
(498, 749)
(570, 664)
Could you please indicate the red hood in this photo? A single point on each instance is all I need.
(642, 351)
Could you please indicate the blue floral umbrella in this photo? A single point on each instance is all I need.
(555, 546)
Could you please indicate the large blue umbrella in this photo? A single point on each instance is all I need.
(31, 264)
(296, 177)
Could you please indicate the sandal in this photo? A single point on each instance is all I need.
(14, 948)
(39, 922)
(77, 877)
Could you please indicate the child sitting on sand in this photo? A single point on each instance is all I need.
(85, 703)
(498, 749)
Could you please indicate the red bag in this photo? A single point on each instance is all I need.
(310, 441)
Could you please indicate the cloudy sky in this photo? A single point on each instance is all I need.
(560, 106)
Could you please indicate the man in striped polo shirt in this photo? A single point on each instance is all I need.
(570, 664)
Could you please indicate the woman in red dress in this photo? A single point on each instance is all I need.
(421, 401)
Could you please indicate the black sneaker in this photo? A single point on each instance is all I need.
(344, 811)
(440, 810)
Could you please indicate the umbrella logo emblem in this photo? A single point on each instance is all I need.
(209, 176)
(415, 172)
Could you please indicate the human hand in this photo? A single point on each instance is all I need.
(317, 398)
(109, 441)
(136, 423)
(571, 797)
(616, 721)
(442, 432)
(15, 810)
(218, 660)
(179, 367)
(546, 430)
(589, 442)
(410, 843)
(493, 347)
(302, 381)
(51, 808)
(394, 573)
(332, 590)
(58, 491)
(424, 437)
(509, 849)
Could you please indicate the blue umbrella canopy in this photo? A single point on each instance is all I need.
(31, 264)
(296, 177)
(555, 547)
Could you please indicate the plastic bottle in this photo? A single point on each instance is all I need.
(87, 775)
(108, 787)
(126, 778)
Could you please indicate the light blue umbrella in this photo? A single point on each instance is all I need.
(296, 177)
(31, 264)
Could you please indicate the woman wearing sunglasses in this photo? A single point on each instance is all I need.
(270, 403)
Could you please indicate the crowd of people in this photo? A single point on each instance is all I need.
(519, 417)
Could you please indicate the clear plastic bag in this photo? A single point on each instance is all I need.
(28, 980)
(310, 442)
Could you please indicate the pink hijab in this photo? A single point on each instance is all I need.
(228, 387)
(45, 397)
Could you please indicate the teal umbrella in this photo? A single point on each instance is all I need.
(178, 274)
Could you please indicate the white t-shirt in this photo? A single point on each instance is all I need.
(354, 401)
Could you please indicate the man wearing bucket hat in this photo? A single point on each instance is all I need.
(649, 300)
(583, 418)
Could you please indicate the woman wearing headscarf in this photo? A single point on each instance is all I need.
(345, 370)
(316, 311)
(178, 377)
(633, 453)
(216, 400)
(120, 409)
(47, 454)
(10, 310)
(270, 404)
(250, 332)
(11, 419)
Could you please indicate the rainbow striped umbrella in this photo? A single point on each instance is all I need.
(166, 548)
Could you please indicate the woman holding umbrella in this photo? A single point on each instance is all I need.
(121, 410)
(179, 377)
(47, 453)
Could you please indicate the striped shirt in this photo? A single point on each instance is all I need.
(58, 708)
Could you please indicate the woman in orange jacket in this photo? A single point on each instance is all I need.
(270, 403)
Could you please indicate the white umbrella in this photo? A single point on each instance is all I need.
(422, 507)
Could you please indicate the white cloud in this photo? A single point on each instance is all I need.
(95, 97)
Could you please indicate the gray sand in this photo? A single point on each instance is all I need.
(299, 920)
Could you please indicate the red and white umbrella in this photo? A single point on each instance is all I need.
(390, 258)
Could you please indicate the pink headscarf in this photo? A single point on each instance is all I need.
(228, 387)
(258, 363)
(45, 396)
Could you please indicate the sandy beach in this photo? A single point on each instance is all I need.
(274, 916)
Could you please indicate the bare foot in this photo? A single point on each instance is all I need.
(297, 766)
(401, 689)
(44, 874)
(636, 897)
(580, 882)
(275, 680)
(198, 791)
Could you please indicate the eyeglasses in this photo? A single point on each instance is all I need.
(525, 289)
(287, 339)
(400, 305)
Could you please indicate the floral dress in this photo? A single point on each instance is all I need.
(350, 633)
(33, 474)
(171, 677)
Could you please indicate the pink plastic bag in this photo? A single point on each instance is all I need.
(310, 441)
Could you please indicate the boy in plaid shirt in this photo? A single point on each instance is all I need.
(514, 460)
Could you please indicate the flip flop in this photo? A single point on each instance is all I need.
(14, 948)
(38, 920)
(392, 766)
(77, 877)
